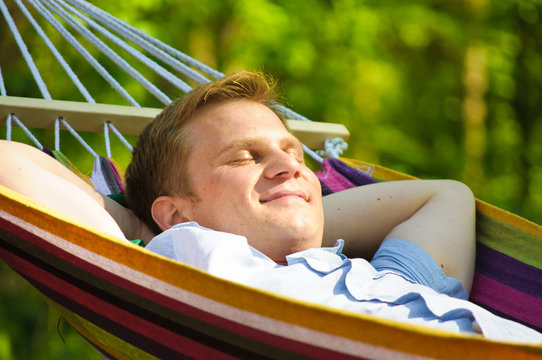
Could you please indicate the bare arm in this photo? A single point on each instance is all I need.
(39, 177)
(437, 215)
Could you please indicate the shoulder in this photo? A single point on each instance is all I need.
(219, 253)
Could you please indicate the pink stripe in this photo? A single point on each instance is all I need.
(242, 330)
(506, 300)
(333, 179)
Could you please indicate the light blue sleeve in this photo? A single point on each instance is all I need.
(412, 262)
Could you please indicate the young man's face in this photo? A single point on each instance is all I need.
(250, 179)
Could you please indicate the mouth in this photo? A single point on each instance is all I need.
(285, 195)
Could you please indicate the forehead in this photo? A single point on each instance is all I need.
(218, 125)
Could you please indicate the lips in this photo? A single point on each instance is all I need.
(283, 194)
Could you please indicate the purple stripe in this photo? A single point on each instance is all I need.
(355, 176)
(509, 271)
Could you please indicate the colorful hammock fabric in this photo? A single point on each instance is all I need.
(131, 303)
(105, 177)
(337, 176)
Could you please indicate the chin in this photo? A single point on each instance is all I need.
(303, 239)
(284, 242)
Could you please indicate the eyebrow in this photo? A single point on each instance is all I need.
(248, 142)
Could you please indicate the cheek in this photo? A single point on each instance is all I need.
(313, 181)
(226, 185)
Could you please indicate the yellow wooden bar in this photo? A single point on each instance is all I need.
(129, 120)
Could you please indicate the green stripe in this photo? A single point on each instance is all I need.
(521, 245)
(62, 158)
(138, 242)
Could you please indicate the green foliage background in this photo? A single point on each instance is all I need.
(437, 89)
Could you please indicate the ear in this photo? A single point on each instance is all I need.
(168, 211)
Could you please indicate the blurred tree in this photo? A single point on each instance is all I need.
(435, 88)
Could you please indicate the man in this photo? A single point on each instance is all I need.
(218, 156)
(222, 158)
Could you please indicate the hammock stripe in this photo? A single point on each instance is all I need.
(115, 293)
(509, 302)
(514, 273)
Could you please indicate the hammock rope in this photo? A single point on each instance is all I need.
(72, 16)
(75, 79)
(78, 137)
(333, 147)
(24, 50)
(57, 134)
(84, 52)
(106, 50)
(23, 127)
(107, 142)
(2, 85)
(161, 50)
(181, 85)
(144, 40)
(119, 136)
(313, 154)
(174, 63)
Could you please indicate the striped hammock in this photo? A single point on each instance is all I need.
(130, 303)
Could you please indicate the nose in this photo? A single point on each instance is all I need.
(282, 165)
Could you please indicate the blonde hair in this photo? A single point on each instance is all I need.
(160, 157)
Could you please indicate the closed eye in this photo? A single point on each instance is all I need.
(244, 158)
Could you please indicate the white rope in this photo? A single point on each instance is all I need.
(87, 34)
(8, 127)
(120, 136)
(155, 47)
(57, 54)
(2, 85)
(312, 154)
(24, 51)
(57, 134)
(107, 142)
(181, 85)
(24, 128)
(162, 51)
(78, 137)
(333, 147)
(290, 114)
(169, 55)
(91, 60)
